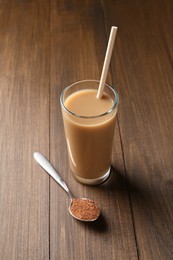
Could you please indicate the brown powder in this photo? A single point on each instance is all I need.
(84, 209)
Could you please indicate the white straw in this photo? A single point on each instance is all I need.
(107, 61)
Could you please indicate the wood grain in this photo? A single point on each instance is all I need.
(77, 52)
(142, 68)
(24, 128)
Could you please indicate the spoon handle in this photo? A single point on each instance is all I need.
(45, 164)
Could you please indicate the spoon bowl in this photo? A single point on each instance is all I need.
(82, 209)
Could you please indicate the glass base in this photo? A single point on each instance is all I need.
(96, 181)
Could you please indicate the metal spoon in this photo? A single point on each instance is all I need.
(82, 209)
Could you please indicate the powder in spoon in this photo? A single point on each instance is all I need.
(84, 209)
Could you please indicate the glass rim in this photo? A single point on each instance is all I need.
(114, 106)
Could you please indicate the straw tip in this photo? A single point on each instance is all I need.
(114, 28)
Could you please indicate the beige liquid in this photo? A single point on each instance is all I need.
(89, 141)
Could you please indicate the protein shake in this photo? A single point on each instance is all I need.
(89, 125)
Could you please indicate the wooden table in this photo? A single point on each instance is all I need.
(44, 46)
